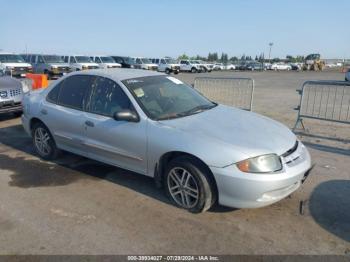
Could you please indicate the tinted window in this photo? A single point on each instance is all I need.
(73, 91)
(33, 59)
(40, 59)
(118, 60)
(108, 98)
(72, 59)
(138, 61)
(97, 60)
(66, 59)
(54, 93)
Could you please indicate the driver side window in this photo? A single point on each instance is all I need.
(108, 98)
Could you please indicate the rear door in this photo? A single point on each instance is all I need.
(118, 143)
(63, 112)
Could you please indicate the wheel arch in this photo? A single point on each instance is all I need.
(34, 121)
(165, 159)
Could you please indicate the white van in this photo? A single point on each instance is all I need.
(105, 62)
(167, 65)
(14, 65)
(80, 62)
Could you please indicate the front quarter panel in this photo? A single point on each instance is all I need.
(163, 139)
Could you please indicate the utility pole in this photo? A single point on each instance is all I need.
(270, 44)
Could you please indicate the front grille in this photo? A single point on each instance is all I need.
(9, 104)
(21, 69)
(63, 69)
(15, 92)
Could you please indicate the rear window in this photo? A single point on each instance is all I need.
(73, 91)
(54, 93)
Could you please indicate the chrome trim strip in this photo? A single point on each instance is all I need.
(63, 136)
(113, 151)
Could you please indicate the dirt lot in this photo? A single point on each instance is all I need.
(79, 206)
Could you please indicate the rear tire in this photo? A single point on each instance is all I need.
(167, 71)
(189, 185)
(44, 144)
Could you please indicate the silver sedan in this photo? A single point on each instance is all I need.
(156, 125)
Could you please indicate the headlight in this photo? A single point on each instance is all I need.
(53, 67)
(261, 164)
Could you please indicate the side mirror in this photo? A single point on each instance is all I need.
(126, 115)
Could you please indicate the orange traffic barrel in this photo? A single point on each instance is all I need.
(39, 80)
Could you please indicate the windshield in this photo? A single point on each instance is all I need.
(146, 61)
(164, 97)
(83, 59)
(107, 59)
(170, 61)
(11, 59)
(53, 59)
(129, 60)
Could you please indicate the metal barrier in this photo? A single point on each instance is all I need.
(324, 100)
(231, 91)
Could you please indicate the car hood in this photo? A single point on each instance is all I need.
(253, 134)
(7, 82)
(17, 64)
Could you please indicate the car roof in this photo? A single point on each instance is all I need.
(119, 73)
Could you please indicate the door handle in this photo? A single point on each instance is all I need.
(43, 111)
(89, 123)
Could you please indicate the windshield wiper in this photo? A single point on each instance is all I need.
(198, 109)
(192, 111)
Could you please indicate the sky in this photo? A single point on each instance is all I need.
(156, 28)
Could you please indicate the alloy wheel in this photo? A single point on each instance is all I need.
(41, 139)
(183, 187)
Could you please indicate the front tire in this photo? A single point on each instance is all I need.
(194, 70)
(44, 144)
(188, 185)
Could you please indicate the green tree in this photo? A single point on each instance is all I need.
(234, 59)
(183, 56)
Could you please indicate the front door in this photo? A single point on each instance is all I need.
(118, 143)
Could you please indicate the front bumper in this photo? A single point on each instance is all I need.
(26, 124)
(175, 70)
(59, 71)
(245, 190)
(20, 71)
(10, 107)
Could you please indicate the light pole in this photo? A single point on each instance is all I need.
(270, 44)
